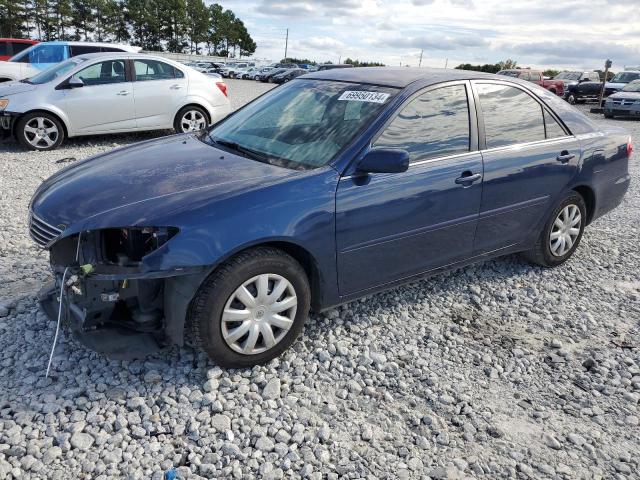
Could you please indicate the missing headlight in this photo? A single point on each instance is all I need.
(127, 246)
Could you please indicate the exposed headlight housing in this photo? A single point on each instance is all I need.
(123, 247)
(3, 103)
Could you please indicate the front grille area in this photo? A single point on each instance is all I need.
(41, 232)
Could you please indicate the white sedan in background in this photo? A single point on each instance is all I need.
(109, 93)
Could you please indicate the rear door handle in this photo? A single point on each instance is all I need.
(467, 178)
(565, 156)
(123, 93)
(175, 87)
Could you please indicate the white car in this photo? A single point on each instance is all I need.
(109, 93)
(42, 56)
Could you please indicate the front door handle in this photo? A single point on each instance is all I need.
(565, 156)
(123, 93)
(467, 178)
(175, 87)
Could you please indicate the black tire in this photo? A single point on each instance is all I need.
(541, 253)
(571, 99)
(177, 126)
(27, 139)
(608, 115)
(205, 315)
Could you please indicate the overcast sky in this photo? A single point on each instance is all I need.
(537, 33)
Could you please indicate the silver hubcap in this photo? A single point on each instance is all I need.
(192, 121)
(259, 314)
(565, 230)
(41, 132)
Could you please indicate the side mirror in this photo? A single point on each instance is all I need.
(75, 82)
(384, 160)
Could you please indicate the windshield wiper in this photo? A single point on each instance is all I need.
(247, 152)
(26, 80)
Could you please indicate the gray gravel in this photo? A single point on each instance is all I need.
(497, 370)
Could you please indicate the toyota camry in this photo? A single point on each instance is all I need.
(334, 186)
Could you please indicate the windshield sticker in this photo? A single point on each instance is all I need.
(362, 96)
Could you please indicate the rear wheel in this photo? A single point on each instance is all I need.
(561, 234)
(39, 131)
(191, 119)
(251, 309)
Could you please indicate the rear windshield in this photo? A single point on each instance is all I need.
(303, 124)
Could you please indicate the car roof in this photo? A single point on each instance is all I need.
(398, 77)
(124, 47)
(19, 40)
(125, 55)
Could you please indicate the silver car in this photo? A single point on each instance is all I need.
(109, 93)
(624, 103)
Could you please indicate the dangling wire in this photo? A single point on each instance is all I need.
(62, 290)
(55, 338)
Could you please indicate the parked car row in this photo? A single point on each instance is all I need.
(537, 77)
(109, 92)
(584, 87)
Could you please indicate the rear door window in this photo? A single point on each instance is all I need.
(435, 124)
(149, 70)
(552, 127)
(510, 115)
(4, 49)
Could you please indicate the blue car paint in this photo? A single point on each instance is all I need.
(362, 233)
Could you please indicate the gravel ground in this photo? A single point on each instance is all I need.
(500, 370)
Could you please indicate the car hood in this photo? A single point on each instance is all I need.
(135, 184)
(617, 85)
(632, 95)
(13, 88)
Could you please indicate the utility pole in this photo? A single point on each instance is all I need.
(420, 62)
(599, 108)
(286, 44)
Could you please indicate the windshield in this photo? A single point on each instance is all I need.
(42, 53)
(625, 77)
(508, 73)
(632, 86)
(54, 72)
(303, 124)
(568, 76)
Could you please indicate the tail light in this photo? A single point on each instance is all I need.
(223, 87)
(629, 148)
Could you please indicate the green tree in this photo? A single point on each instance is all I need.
(82, 19)
(13, 19)
(197, 23)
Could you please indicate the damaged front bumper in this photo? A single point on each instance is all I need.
(118, 308)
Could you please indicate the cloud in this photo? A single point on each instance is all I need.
(579, 51)
(322, 43)
(433, 41)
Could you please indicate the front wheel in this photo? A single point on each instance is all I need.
(571, 98)
(561, 234)
(251, 308)
(39, 131)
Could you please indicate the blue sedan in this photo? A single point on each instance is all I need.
(336, 185)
